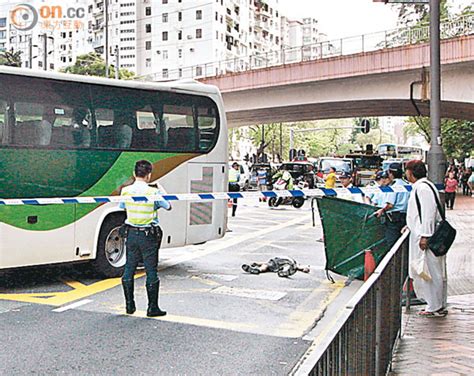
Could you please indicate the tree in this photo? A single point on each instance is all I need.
(457, 135)
(92, 64)
(417, 14)
(11, 58)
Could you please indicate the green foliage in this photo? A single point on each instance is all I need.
(374, 137)
(92, 64)
(414, 22)
(457, 135)
(416, 14)
(11, 58)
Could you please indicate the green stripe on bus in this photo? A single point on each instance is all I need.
(50, 173)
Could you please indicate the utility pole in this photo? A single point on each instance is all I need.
(436, 157)
(45, 52)
(281, 141)
(106, 17)
(30, 52)
(117, 62)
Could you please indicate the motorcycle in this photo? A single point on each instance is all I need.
(280, 185)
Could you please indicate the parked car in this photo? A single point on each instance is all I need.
(244, 181)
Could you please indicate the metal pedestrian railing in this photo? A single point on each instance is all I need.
(451, 28)
(365, 334)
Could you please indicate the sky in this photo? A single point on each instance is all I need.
(345, 18)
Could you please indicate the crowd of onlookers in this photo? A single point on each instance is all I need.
(458, 177)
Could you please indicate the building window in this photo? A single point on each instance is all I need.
(180, 35)
(199, 15)
(217, 35)
(180, 73)
(165, 54)
(165, 35)
(198, 33)
(165, 71)
(180, 53)
(164, 2)
(148, 28)
(180, 16)
(148, 11)
(148, 62)
(148, 45)
(165, 17)
(217, 16)
(198, 71)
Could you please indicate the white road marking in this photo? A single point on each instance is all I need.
(249, 293)
(73, 305)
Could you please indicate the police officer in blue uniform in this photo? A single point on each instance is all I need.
(143, 238)
(395, 205)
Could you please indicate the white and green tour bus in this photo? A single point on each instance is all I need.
(66, 136)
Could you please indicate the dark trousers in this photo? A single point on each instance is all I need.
(450, 197)
(393, 227)
(465, 189)
(142, 245)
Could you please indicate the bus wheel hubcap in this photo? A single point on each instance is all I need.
(114, 248)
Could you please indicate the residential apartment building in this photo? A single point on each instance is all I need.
(52, 44)
(166, 39)
(3, 33)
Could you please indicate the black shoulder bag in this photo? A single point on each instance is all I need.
(444, 235)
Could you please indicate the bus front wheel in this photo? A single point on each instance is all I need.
(111, 252)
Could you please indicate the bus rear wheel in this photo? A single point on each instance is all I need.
(111, 251)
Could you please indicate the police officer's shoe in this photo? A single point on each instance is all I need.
(152, 292)
(128, 292)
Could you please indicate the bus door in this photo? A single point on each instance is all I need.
(206, 219)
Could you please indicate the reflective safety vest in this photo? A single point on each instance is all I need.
(140, 213)
(234, 175)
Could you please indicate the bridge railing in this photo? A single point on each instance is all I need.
(363, 339)
(459, 26)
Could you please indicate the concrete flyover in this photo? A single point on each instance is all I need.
(374, 83)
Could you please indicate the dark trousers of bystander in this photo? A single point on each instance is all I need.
(450, 197)
(466, 191)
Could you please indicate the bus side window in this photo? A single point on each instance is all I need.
(148, 134)
(114, 128)
(181, 129)
(207, 123)
(33, 124)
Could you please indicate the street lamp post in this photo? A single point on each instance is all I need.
(436, 157)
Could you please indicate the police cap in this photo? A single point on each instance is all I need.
(394, 167)
(381, 175)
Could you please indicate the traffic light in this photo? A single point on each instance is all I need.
(365, 126)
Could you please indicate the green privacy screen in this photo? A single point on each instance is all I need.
(349, 229)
